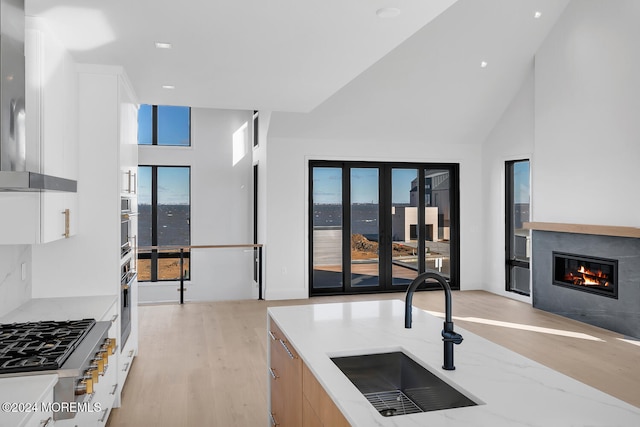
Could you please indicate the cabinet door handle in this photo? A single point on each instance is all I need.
(273, 419)
(135, 183)
(115, 387)
(126, 367)
(135, 252)
(104, 415)
(273, 373)
(131, 353)
(129, 181)
(273, 337)
(113, 319)
(45, 423)
(287, 349)
(67, 214)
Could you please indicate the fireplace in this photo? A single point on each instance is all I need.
(584, 273)
(611, 303)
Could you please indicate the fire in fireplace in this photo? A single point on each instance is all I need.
(584, 273)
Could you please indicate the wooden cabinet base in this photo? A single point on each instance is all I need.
(321, 406)
(297, 398)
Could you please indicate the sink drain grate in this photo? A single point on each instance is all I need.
(393, 402)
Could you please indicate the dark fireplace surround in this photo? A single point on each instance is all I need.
(614, 305)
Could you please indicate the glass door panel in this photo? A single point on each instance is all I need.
(437, 227)
(327, 228)
(404, 225)
(365, 212)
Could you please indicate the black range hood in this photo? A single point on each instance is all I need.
(13, 173)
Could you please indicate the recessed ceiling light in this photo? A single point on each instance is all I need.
(168, 87)
(163, 45)
(537, 15)
(483, 64)
(388, 12)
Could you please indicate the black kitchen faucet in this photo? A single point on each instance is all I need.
(449, 336)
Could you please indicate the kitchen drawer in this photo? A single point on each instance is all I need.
(41, 419)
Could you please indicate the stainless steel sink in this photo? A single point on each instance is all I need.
(397, 385)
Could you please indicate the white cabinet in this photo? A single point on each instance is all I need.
(52, 142)
(32, 397)
(42, 418)
(90, 263)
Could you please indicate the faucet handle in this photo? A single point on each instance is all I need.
(451, 336)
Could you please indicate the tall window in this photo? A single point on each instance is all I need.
(164, 125)
(255, 127)
(164, 200)
(518, 196)
(164, 206)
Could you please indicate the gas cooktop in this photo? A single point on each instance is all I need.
(40, 346)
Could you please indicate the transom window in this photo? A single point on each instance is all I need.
(164, 125)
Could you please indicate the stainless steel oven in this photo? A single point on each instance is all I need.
(127, 278)
(128, 266)
(126, 231)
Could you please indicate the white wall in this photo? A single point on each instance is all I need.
(511, 139)
(221, 207)
(578, 109)
(587, 113)
(13, 290)
(287, 202)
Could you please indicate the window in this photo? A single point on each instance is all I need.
(373, 228)
(517, 197)
(164, 208)
(255, 127)
(164, 125)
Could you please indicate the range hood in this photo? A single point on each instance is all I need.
(13, 173)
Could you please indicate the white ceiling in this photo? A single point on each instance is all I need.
(280, 55)
(431, 88)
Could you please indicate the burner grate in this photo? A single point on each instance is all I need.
(392, 402)
(39, 346)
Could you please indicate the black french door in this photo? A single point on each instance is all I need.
(374, 227)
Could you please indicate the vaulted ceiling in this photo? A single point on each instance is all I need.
(433, 87)
(330, 69)
(282, 55)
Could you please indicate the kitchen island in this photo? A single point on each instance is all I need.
(509, 389)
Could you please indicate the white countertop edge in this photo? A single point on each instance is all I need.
(62, 308)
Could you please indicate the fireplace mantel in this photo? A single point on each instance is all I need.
(600, 230)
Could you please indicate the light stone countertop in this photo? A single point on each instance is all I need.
(511, 390)
(63, 308)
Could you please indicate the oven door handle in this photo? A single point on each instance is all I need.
(129, 280)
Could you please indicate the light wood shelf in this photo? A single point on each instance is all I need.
(601, 230)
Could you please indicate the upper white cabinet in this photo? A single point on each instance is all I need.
(128, 142)
(51, 100)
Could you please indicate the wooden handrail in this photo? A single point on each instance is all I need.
(181, 250)
(176, 247)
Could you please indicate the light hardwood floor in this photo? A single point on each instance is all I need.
(204, 364)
